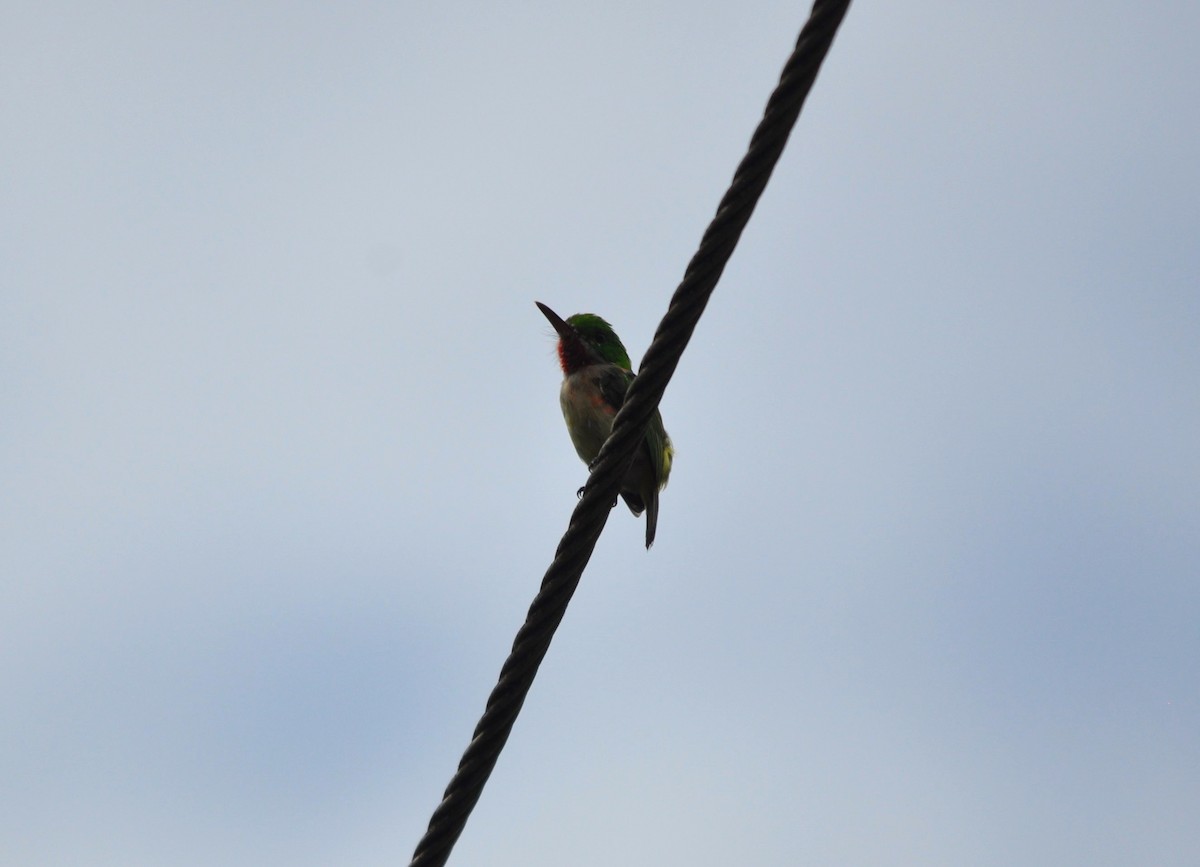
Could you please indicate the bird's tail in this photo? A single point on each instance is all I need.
(651, 518)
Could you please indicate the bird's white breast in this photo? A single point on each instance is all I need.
(589, 417)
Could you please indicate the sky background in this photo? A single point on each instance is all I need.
(283, 462)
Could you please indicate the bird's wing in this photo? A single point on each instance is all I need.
(614, 382)
(661, 449)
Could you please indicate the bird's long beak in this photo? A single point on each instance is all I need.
(560, 325)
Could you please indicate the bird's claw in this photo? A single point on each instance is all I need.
(579, 495)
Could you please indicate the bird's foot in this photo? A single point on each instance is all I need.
(579, 495)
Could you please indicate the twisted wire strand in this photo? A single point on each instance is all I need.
(658, 365)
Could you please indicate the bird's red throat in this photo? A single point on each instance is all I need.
(573, 356)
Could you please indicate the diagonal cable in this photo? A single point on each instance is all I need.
(658, 365)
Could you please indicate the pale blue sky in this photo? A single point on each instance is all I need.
(284, 462)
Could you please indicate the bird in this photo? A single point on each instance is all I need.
(596, 377)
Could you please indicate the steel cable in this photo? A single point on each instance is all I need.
(658, 365)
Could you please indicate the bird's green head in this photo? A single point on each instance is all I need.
(585, 339)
